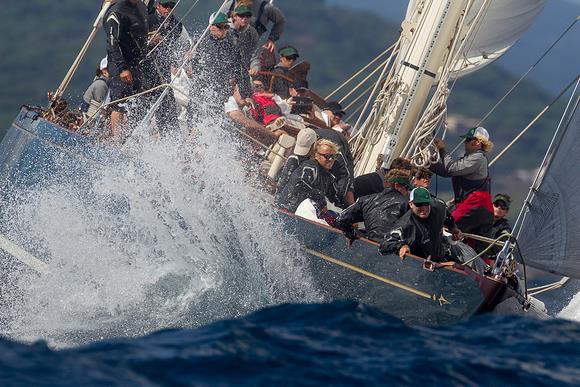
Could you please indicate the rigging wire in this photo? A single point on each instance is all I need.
(359, 72)
(163, 38)
(542, 56)
(529, 70)
(545, 161)
(358, 86)
(538, 116)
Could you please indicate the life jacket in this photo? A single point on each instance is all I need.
(267, 110)
(462, 187)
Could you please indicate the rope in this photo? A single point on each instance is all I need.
(504, 236)
(399, 285)
(359, 72)
(548, 287)
(540, 114)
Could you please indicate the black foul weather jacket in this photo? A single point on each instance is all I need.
(379, 212)
(126, 27)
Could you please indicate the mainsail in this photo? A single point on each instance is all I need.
(503, 23)
(549, 235)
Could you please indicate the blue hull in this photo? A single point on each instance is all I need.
(34, 150)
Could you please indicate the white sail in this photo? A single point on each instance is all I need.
(503, 23)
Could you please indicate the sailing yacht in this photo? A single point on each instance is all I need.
(440, 41)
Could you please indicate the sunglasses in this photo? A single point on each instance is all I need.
(421, 204)
(222, 26)
(469, 139)
(258, 86)
(499, 205)
(168, 5)
(328, 157)
(244, 15)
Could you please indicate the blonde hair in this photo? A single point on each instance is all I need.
(486, 145)
(322, 142)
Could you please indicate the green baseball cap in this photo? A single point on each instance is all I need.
(243, 10)
(288, 51)
(167, 2)
(220, 18)
(503, 198)
(420, 195)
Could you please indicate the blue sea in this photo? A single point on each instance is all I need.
(339, 343)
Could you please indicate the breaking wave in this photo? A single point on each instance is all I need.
(168, 233)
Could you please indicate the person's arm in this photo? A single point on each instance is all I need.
(392, 243)
(113, 31)
(100, 90)
(282, 104)
(289, 166)
(350, 215)
(242, 79)
(276, 16)
(463, 166)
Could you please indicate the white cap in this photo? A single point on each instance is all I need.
(480, 131)
(304, 140)
(103, 64)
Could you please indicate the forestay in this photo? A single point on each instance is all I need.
(549, 235)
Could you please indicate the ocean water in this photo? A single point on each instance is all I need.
(340, 343)
(166, 267)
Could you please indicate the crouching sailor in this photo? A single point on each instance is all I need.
(473, 211)
(311, 180)
(419, 231)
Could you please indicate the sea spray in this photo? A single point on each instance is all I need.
(171, 235)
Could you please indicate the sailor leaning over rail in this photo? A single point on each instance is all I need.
(473, 212)
(419, 231)
(126, 29)
(378, 211)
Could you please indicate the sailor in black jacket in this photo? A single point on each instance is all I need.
(419, 231)
(126, 28)
(311, 180)
(378, 211)
(217, 66)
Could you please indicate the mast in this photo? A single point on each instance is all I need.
(96, 25)
(418, 63)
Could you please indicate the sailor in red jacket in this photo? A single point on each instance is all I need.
(469, 174)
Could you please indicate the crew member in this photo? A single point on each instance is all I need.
(473, 211)
(419, 231)
(126, 29)
(379, 211)
(311, 180)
